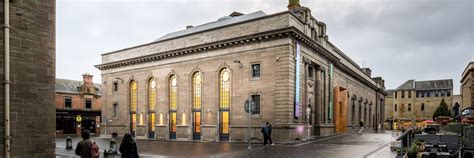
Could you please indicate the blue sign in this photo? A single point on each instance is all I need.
(297, 83)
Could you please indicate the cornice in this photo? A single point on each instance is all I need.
(264, 36)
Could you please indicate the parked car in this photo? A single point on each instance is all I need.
(467, 115)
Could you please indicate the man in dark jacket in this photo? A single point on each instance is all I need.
(83, 147)
(269, 125)
(266, 132)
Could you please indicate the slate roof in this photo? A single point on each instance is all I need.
(223, 21)
(426, 85)
(434, 84)
(390, 93)
(71, 86)
(407, 85)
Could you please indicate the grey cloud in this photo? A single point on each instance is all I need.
(399, 40)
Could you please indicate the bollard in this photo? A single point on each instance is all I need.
(68, 143)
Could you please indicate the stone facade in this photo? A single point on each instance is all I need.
(78, 105)
(417, 100)
(277, 43)
(32, 76)
(467, 82)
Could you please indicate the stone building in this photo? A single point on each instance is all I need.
(417, 100)
(78, 106)
(31, 71)
(192, 84)
(467, 82)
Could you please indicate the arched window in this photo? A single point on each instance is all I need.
(133, 105)
(173, 91)
(197, 104)
(224, 88)
(422, 107)
(224, 104)
(197, 91)
(395, 107)
(151, 104)
(173, 101)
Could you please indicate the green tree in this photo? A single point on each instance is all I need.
(442, 110)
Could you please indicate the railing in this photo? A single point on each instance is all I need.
(405, 139)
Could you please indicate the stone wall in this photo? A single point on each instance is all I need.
(32, 74)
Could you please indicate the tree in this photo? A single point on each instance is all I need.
(442, 110)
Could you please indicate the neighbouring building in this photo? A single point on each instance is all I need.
(417, 100)
(467, 82)
(78, 106)
(192, 84)
(32, 73)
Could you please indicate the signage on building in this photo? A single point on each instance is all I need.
(297, 82)
(78, 118)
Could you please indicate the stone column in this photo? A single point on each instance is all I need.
(317, 108)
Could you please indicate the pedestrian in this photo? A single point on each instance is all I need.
(83, 148)
(265, 131)
(361, 124)
(269, 125)
(128, 147)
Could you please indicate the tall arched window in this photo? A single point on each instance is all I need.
(197, 104)
(151, 107)
(173, 101)
(224, 103)
(133, 106)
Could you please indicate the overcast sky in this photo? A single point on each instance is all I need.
(398, 39)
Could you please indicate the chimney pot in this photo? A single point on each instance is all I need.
(294, 4)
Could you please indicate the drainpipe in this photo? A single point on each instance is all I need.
(6, 27)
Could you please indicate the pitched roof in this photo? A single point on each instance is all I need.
(434, 84)
(426, 85)
(407, 85)
(71, 86)
(223, 21)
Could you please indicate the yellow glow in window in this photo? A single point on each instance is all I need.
(173, 93)
(225, 122)
(224, 88)
(197, 122)
(173, 122)
(151, 94)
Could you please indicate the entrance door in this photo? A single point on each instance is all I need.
(88, 124)
(197, 125)
(151, 125)
(224, 126)
(173, 125)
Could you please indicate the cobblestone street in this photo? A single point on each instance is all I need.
(349, 145)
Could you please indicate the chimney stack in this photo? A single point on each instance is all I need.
(87, 78)
(367, 71)
(293, 4)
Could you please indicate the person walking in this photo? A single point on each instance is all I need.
(83, 147)
(269, 125)
(265, 131)
(362, 127)
(128, 147)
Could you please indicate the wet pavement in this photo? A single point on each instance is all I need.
(369, 145)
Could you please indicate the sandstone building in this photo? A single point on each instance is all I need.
(417, 100)
(31, 71)
(78, 106)
(467, 83)
(192, 84)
